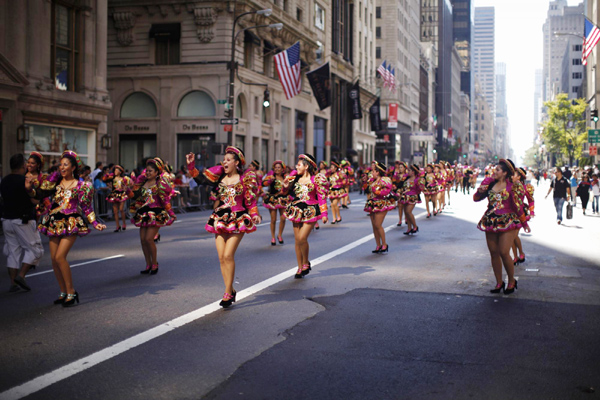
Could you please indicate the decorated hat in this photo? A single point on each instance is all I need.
(508, 163)
(309, 158)
(119, 167)
(380, 166)
(238, 152)
(158, 162)
(335, 163)
(72, 155)
(278, 162)
(39, 157)
(255, 164)
(415, 168)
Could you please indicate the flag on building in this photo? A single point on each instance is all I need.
(375, 116)
(320, 82)
(383, 72)
(287, 63)
(355, 106)
(393, 79)
(590, 39)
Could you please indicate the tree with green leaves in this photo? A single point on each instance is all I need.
(532, 158)
(565, 130)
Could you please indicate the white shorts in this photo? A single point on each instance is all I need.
(23, 243)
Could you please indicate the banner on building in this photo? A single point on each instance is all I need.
(354, 95)
(320, 82)
(393, 115)
(375, 116)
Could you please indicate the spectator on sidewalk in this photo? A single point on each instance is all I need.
(23, 246)
(573, 193)
(96, 171)
(561, 188)
(596, 193)
(583, 191)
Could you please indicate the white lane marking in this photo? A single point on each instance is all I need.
(77, 265)
(100, 356)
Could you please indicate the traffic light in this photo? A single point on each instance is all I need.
(594, 115)
(464, 156)
(266, 98)
(228, 113)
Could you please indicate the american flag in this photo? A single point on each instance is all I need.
(590, 39)
(383, 72)
(392, 79)
(288, 67)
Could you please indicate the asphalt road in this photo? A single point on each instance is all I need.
(416, 322)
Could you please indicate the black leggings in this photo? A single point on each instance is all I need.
(584, 200)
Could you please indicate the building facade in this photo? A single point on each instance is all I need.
(398, 43)
(484, 53)
(562, 23)
(592, 72)
(572, 68)
(483, 131)
(53, 93)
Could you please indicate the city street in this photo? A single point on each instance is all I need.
(417, 322)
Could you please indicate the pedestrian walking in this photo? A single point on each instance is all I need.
(64, 222)
(573, 189)
(501, 221)
(235, 210)
(309, 192)
(275, 200)
(583, 191)
(560, 187)
(595, 193)
(23, 245)
(379, 202)
(151, 209)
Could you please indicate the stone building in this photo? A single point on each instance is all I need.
(483, 131)
(53, 93)
(169, 80)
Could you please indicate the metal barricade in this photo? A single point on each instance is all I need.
(102, 208)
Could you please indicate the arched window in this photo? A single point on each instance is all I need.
(240, 104)
(196, 104)
(138, 105)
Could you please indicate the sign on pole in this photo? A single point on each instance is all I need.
(233, 121)
(593, 150)
(594, 136)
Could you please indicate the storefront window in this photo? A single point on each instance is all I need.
(135, 149)
(51, 141)
(319, 138)
(239, 142)
(200, 145)
(264, 155)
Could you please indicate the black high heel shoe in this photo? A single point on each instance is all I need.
(154, 269)
(147, 270)
(306, 269)
(387, 246)
(299, 274)
(407, 232)
(117, 230)
(280, 239)
(498, 288)
(414, 231)
(71, 299)
(228, 299)
(510, 290)
(61, 298)
(377, 249)
(157, 239)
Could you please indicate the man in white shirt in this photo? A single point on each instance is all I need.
(96, 171)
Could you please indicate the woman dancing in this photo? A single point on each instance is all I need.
(63, 223)
(528, 207)
(119, 183)
(431, 189)
(337, 180)
(309, 204)
(411, 196)
(398, 178)
(501, 221)
(235, 211)
(151, 209)
(275, 200)
(379, 202)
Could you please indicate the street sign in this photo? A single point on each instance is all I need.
(593, 150)
(228, 128)
(594, 136)
(229, 121)
(222, 101)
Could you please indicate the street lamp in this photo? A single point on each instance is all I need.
(232, 64)
(570, 149)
